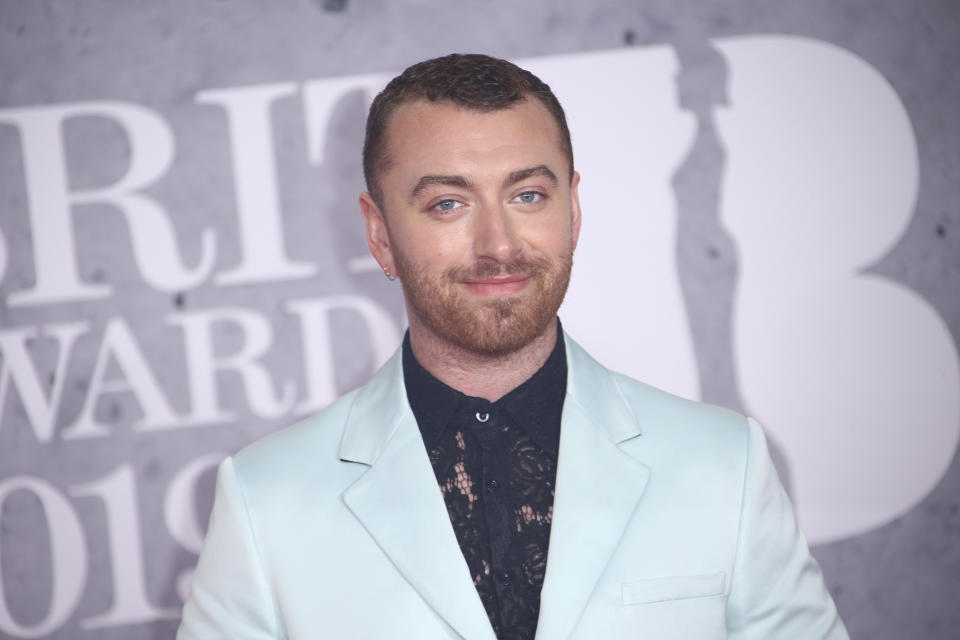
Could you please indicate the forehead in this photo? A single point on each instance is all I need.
(432, 137)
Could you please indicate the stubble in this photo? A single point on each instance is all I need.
(494, 326)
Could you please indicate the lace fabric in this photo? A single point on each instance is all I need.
(495, 464)
(498, 485)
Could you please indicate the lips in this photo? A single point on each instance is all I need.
(505, 285)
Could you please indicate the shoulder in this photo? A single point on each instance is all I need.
(684, 434)
(313, 449)
(298, 453)
(307, 437)
(665, 422)
(659, 410)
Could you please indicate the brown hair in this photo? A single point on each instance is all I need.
(472, 80)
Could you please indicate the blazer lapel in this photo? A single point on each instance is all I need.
(400, 505)
(598, 488)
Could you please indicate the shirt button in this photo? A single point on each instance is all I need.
(505, 578)
(482, 417)
(491, 485)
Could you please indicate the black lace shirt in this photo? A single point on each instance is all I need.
(496, 466)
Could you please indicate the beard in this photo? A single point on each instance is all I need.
(495, 326)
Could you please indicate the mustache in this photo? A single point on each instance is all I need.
(487, 268)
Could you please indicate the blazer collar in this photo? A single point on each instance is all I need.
(399, 503)
(598, 488)
(377, 410)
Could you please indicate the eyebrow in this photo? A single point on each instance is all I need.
(462, 182)
(522, 174)
(429, 181)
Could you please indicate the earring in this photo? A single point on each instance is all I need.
(389, 275)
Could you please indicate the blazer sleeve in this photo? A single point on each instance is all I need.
(230, 595)
(777, 589)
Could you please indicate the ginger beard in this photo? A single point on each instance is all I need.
(494, 326)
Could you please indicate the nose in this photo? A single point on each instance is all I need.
(495, 235)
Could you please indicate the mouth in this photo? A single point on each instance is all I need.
(502, 286)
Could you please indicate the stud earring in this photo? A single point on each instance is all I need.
(389, 275)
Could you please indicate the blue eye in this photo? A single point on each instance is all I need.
(530, 197)
(447, 205)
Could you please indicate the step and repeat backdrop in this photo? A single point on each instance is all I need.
(771, 223)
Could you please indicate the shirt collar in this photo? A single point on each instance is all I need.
(536, 405)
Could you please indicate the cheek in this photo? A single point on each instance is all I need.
(550, 233)
(555, 244)
(441, 251)
(432, 256)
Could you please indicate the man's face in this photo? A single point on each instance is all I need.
(480, 222)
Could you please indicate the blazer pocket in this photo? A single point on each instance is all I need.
(672, 588)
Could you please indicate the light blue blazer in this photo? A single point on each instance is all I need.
(668, 522)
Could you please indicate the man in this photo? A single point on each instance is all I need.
(492, 480)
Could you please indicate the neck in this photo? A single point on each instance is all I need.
(482, 375)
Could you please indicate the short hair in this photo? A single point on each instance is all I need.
(474, 81)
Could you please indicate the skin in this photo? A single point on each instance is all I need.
(479, 223)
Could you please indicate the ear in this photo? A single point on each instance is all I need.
(575, 209)
(378, 239)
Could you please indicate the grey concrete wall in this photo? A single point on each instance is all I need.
(107, 497)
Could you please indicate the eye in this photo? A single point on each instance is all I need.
(445, 206)
(530, 197)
